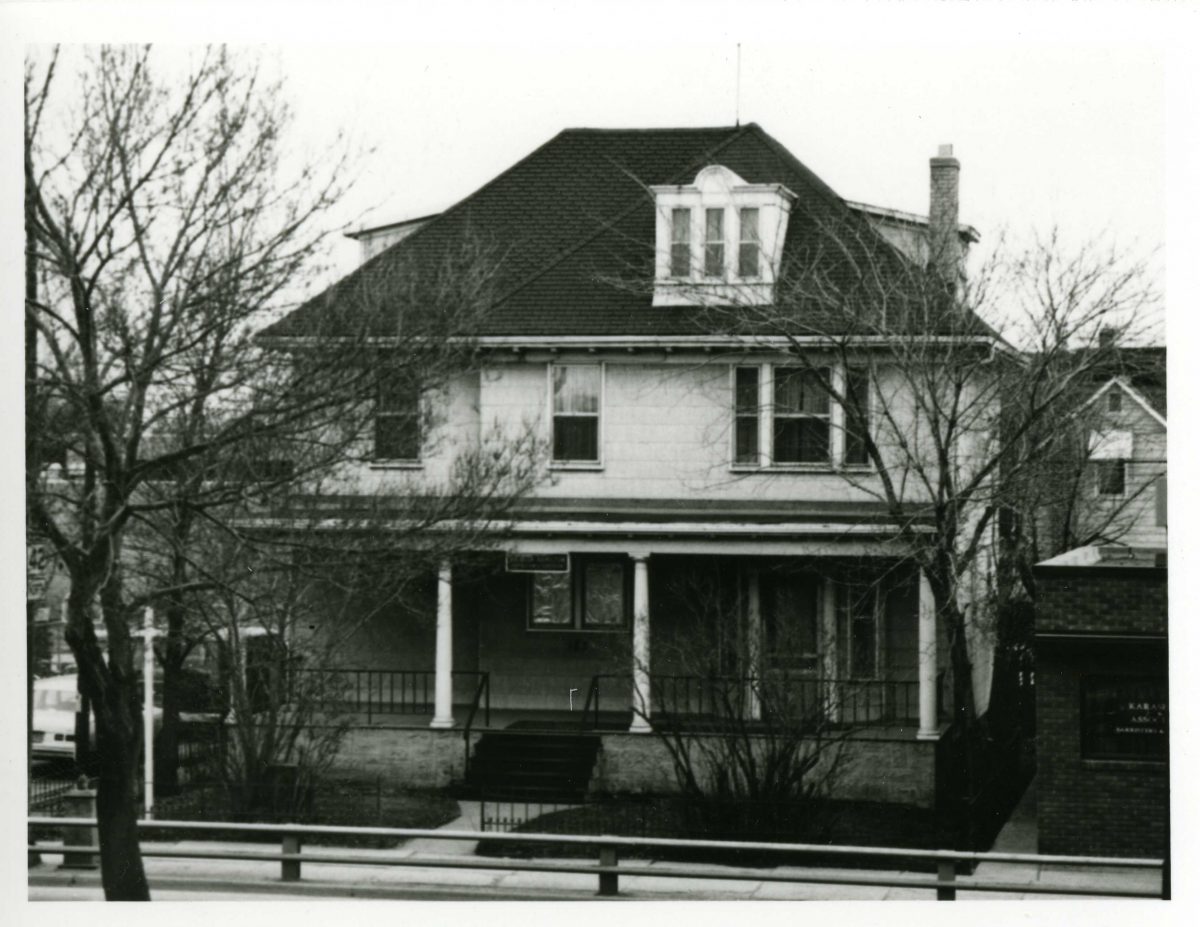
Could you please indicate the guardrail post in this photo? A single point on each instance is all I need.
(290, 868)
(946, 872)
(608, 880)
(80, 802)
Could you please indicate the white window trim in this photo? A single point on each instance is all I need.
(403, 463)
(577, 465)
(717, 187)
(766, 425)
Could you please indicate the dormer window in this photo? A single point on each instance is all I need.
(748, 244)
(714, 243)
(719, 240)
(681, 243)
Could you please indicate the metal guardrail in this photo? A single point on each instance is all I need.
(608, 869)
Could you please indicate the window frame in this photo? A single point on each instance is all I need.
(776, 415)
(808, 665)
(713, 267)
(765, 457)
(846, 620)
(598, 463)
(1118, 465)
(756, 416)
(678, 212)
(578, 595)
(744, 242)
(416, 414)
(868, 402)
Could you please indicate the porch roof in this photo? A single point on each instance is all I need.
(793, 528)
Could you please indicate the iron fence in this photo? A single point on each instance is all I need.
(382, 691)
(854, 702)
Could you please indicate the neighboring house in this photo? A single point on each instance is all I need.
(1101, 648)
(683, 462)
(1123, 498)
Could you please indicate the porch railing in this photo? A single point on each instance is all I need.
(868, 702)
(388, 691)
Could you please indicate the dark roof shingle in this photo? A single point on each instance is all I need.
(573, 220)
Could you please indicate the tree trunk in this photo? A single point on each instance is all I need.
(121, 867)
(109, 686)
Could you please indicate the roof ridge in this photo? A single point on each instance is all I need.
(658, 130)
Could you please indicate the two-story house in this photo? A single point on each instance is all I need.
(686, 465)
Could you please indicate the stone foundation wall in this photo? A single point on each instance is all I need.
(871, 768)
(421, 758)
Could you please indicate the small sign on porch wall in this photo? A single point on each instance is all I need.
(537, 563)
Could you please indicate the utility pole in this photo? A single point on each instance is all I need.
(147, 634)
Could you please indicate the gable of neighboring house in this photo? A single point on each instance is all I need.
(1124, 492)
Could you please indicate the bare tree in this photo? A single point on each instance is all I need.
(744, 732)
(952, 396)
(946, 397)
(166, 228)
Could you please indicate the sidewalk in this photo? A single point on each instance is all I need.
(207, 877)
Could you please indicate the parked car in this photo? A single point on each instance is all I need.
(56, 701)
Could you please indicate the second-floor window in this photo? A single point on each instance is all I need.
(800, 418)
(397, 419)
(858, 395)
(746, 415)
(576, 413)
(1110, 477)
(784, 416)
(1109, 452)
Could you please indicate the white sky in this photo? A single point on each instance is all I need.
(1067, 135)
(1078, 114)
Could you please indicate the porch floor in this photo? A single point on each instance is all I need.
(558, 721)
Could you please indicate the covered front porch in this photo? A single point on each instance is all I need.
(603, 640)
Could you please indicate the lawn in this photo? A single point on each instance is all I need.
(823, 822)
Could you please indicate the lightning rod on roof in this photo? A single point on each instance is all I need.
(737, 97)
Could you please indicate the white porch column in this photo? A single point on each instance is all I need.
(641, 644)
(926, 662)
(443, 689)
(754, 630)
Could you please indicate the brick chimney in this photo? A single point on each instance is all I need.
(945, 249)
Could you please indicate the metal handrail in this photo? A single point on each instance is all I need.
(946, 884)
(592, 702)
(485, 685)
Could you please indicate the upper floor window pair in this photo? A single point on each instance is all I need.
(749, 246)
(792, 421)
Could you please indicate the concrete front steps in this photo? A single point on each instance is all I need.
(544, 767)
